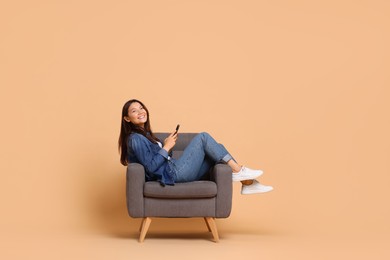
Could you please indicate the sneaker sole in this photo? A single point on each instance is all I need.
(255, 192)
(234, 178)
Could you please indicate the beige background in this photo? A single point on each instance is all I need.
(299, 89)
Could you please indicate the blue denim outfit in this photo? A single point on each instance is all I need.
(198, 157)
(156, 161)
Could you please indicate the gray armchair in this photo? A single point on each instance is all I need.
(210, 198)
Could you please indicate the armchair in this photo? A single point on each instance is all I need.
(210, 198)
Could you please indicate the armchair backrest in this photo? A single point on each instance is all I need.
(182, 141)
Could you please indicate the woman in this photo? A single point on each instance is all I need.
(137, 143)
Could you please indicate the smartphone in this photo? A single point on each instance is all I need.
(177, 129)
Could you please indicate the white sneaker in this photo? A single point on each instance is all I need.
(246, 174)
(254, 188)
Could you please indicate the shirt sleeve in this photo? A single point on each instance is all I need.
(142, 150)
(164, 153)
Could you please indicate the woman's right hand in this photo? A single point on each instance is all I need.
(170, 141)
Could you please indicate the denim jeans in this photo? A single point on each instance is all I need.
(198, 157)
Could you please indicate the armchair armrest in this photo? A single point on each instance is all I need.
(222, 175)
(135, 180)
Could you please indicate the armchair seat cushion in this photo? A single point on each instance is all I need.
(188, 190)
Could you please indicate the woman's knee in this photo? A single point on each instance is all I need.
(204, 134)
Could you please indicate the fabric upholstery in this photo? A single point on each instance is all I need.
(222, 175)
(182, 142)
(195, 189)
(180, 208)
(135, 190)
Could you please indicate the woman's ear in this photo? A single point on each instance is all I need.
(127, 119)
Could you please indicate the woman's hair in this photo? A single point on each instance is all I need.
(127, 128)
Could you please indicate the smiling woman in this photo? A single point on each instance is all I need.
(137, 143)
(137, 114)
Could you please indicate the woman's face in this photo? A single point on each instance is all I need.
(136, 114)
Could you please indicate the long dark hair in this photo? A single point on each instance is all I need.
(127, 128)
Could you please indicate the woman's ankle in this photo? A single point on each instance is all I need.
(247, 182)
(234, 166)
(236, 169)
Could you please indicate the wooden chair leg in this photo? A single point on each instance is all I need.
(213, 227)
(144, 228)
(142, 223)
(207, 224)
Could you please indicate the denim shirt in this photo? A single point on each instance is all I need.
(156, 161)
